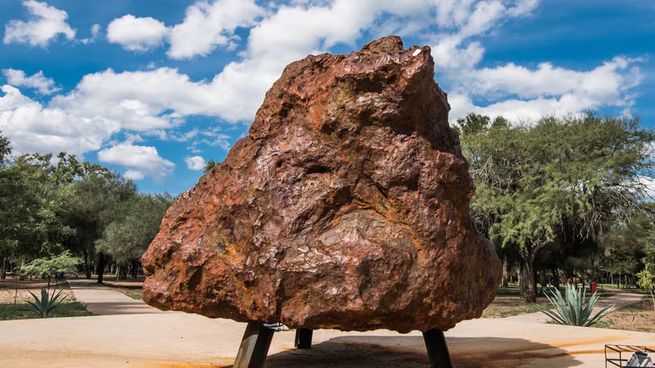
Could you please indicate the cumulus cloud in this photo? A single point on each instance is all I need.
(648, 185)
(196, 163)
(44, 24)
(137, 34)
(519, 93)
(159, 100)
(209, 25)
(33, 127)
(37, 81)
(95, 32)
(141, 161)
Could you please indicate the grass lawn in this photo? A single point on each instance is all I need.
(505, 306)
(22, 310)
(136, 294)
(638, 317)
(25, 311)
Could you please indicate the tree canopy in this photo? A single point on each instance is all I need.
(556, 181)
(52, 204)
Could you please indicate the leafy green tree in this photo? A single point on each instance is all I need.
(554, 181)
(89, 205)
(127, 238)
(48, 267)
(646, 280)
(29, 226)
(5, 149)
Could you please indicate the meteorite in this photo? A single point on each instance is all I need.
(346, 206)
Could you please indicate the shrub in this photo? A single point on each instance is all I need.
(46, 303)
(571, 309)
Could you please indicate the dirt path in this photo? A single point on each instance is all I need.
(105, 300)
(168, 340)
(619, 299)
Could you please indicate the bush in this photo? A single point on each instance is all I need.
(48, 267)
(44, 305)
(571, 309)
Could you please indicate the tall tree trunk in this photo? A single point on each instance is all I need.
(87, 265)
(100, 270)
(505, 272)
(135, 269)
(3, 268)
(556, 282)
(543, 280)
(527, 282)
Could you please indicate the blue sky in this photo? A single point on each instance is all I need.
(153, 89)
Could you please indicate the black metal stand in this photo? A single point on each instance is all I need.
(254, 346)
(257, 340)
(435, 343)
(303, 338)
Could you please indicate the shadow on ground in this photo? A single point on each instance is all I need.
(409, 352)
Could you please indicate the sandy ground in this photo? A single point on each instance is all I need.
(173, 339)
(103, 300)
(8, 290)
(132, 334)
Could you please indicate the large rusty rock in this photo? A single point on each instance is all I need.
(345, 207)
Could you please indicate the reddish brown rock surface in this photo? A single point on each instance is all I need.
(345, 207)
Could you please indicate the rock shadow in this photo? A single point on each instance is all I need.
(409, 352)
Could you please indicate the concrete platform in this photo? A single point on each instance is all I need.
(168, 340)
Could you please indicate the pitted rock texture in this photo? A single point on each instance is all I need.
(345, 207)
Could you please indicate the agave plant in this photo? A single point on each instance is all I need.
(571, 309)
(47, 302)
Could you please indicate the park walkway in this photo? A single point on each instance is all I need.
(167, 340)
(105, 300)
(619, 300)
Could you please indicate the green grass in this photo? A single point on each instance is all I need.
(25, 311)
(132, 294)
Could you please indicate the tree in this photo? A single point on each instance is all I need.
(89, 205)
(50, 266)
(559, 180)
(5, 149)
(29, 226)
(127, 237)
(646, 280)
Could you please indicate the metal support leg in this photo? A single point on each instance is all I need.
(303, 338)
(254, 346)
(435, 343)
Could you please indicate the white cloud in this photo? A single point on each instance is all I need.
(37, 81)
(196, 163)
(290, 33)
(95, 32)
(33, 127)
(519, 93)
(134, 175)
(141, 161)
(137, 34)
(158, 100)
(209, 25)
(45, 23)
(648, 184)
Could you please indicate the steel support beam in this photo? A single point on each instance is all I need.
(435, 343)
(254, 346)
(303, 338)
